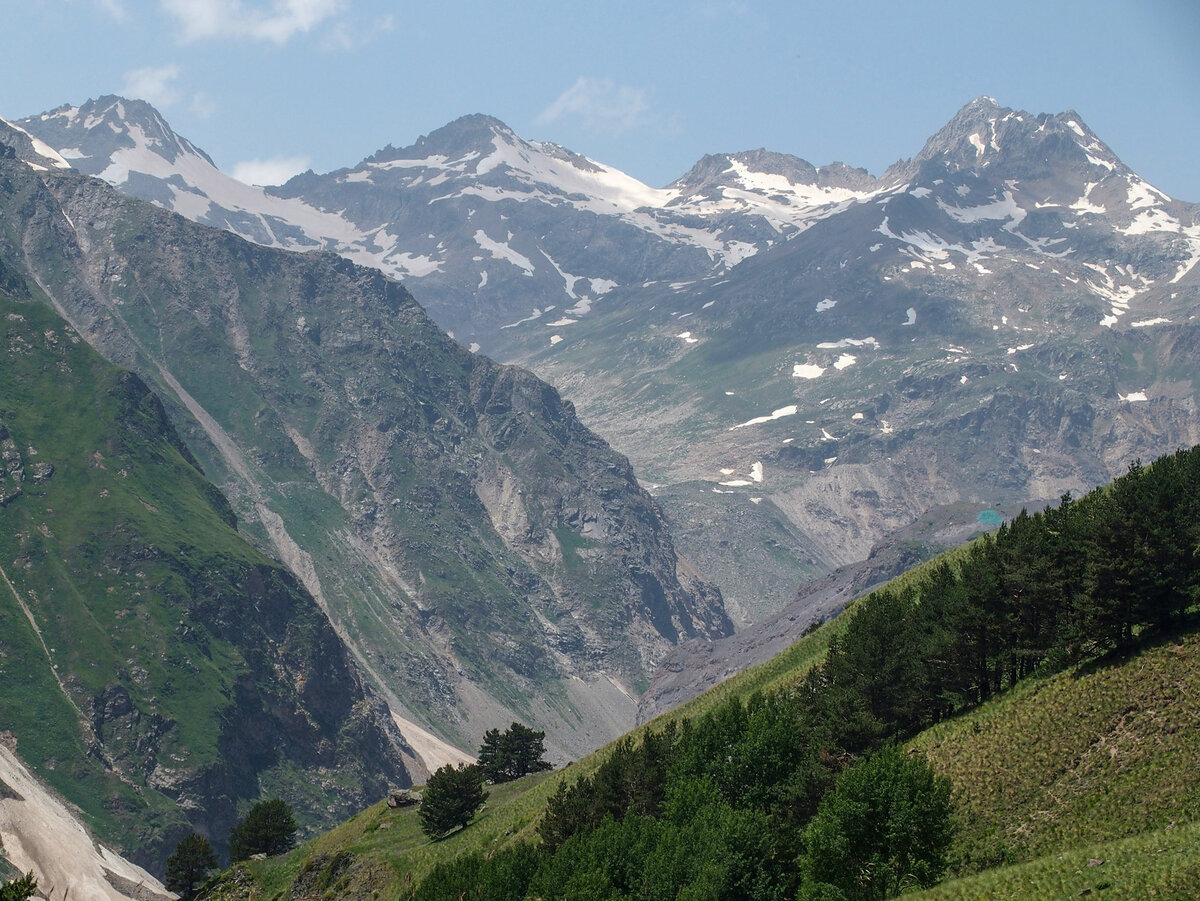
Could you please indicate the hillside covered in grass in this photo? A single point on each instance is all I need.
(155, 670)
(1043, 682)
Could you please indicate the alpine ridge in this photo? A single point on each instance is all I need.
(801, 360)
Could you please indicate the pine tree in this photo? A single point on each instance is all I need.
(190, 865)
(269, 828)
(450, 799)
(515, 753)
(19, 889)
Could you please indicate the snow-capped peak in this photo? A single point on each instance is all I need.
(92, 134)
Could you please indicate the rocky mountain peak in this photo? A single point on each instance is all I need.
(474, 133)
(720, 170)
(93, 134)
(717, 169)
(984, 136)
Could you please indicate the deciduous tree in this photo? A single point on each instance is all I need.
(885, 827)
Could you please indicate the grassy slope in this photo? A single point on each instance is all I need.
(165, 627)
(1094, 763)
(60, 545)
(1164, 864)
(1107, 752)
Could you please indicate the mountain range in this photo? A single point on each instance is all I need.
(800, 364)
(460, 550)
(798, 360)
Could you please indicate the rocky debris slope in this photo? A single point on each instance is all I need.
(42, 836)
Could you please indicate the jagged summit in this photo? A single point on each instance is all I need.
(712, 167)
(92, 134)
(473, 133)
(718, 168)
(1011, 143)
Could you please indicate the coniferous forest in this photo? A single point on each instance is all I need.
(806, 792)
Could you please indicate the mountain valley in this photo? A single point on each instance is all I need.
(747, 399)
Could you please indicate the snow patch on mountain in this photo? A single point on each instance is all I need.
(501, 251)
(807, 371)
(789, 410)
(54, 159)
(849, 342)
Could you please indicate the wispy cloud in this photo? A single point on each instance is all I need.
(273, 171)
(601, 103)
(346, 35)
(115, 8)
(277, 21)
(203, 105)
(155, 85)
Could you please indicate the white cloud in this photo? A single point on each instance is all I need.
(602, 103)
(152, 84)
(273, 171)
(277, 21)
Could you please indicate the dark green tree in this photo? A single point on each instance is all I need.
(19, 889)
(269, 828)
(451, 798)
(885, 827)
(190, 865)
(516, 752)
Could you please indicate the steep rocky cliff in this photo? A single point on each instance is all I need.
(483, 553)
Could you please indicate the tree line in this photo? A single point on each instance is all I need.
(805, 792)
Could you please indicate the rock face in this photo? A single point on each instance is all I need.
(1008, 316)
(486, 557)
(157, 671)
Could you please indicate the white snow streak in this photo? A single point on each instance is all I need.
(789, 410)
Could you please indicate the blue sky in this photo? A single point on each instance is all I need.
(648, 87)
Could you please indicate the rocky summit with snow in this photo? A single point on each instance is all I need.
(797, 359)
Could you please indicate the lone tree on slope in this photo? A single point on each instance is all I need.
(269, 828)
(515, 753)
(451, 798)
